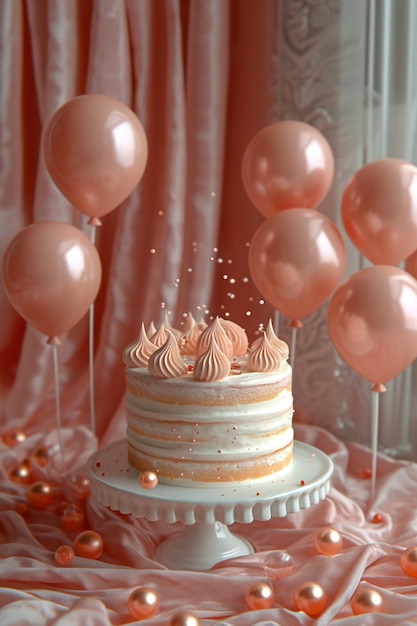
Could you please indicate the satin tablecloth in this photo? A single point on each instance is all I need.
(36, 590)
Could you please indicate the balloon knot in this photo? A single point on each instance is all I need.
(379, 388)
(53, 341)
(95, 221)
(296, 324)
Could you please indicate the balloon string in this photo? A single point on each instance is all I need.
(91, 351)
(374, 438)
(276, 322)
(293, 343)
(91, 371)
(58, 403)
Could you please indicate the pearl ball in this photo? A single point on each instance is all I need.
(88, 544)
(13, 438)
(148, 480)
(72, 518)
(328, 541)
(184, 619)
(143, 602)
(21, 473)
(310, 598)
(367, 600)
(40, 495)
(259, 596)
(408, 561)
(64, 555)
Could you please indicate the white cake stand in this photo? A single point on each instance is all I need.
(207, 513)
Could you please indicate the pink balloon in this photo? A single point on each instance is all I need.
(379, 210)
(287, 165)
(372, 322)
(51, 274)
(95, 151)
(296, 259)
(410, 265)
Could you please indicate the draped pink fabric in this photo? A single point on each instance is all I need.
(201, 75)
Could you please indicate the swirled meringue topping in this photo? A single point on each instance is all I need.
(280, 345)
(151, 330)
(166, 361)
(168, 326)
(137, 353)
(237, 336)
(216, 330)
(189, 340)
(265, 357)
(212, 365)
(160, 336)
(275, 341)
(188, 323)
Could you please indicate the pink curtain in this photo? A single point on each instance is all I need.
(201, 77)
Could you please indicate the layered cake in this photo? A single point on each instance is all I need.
(204, 408)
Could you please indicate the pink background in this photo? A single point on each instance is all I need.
(202, 78)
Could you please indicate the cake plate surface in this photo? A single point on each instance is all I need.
(207, 512)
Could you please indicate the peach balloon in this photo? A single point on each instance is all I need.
(296, 259)
(286, 165)
(372, 322)
(410, 265)
(379, 210)
(95, 151)
(51, 274)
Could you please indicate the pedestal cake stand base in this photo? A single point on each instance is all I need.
(207, 513)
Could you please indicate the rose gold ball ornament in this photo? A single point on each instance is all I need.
(79, 485)
(408, 561)
(64, 555)
(259, 596)
(21, 473)
(148, 480)
(14, 437)
(40, 495)
(142, 603)
(183, 618)
(310, 598)
(39, 457)
(72, 518)
(328, 541)
(367, 600)
(88, 544)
